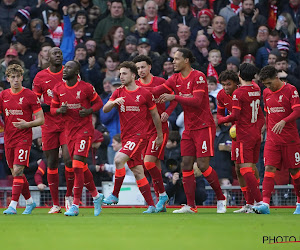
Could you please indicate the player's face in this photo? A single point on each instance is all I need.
(143, 69)
(126, 76)
(229, 86)
(15, 81)
(271, 84)
(70, 70)
(55, 56)
(179, 61)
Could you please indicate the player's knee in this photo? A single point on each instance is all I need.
(294, 171)
(270, 169)
(18, 171)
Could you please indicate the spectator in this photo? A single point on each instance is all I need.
(249, 59)
(284, 47)
(293, 8)
(246, 23)
(273, 56)
(164, 10)
(215, 65)
(143, 30)
(157, 23)
(11, 54)
(55, 28)
(197, 6)
(253, 44)
(233, 64)
(130, 48)
(20, 22)
(184, 35)
(115, 18)
(25, 54)
(203, 27)
(236, 48)
(73, 8)
(232, 9)
(8, 9)
(213, 86)
(44, 9)
(137, 9)
(81, 17)
(200, 49)
(4, 45)
(168, 68)
(286, 27)
(112, 62)
(91, 47)
(262, 54)
(113, 40)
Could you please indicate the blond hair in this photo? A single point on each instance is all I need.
(14, 69)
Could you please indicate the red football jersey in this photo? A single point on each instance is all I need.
(13, 106)
(224, 101)
(77, 96)
(194, 118)
(161, 107)
(247, 100)
(134, 112)
(43, 85)
(278, 106)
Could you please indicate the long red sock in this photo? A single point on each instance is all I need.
(144, 187)
(211, 176)
(189, 185)
(296, 183)
(17, 187)
(252, 184)
(70, 177)
(79, 180)
(53, 182)
(89, 181)
(156, 177)
(25, 190)
(268, 186)
(119, 177)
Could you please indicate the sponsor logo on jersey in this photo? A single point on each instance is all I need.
(9, 112)
(49, 93)
(276, 110)
(295, 95)
(74, 105)
(185, 95)
(234, 98)
(201, 80)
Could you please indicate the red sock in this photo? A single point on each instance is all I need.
(268, 186)
(144, 187)
(25, 190)
(156, 177)
(53, 181)
(17, 187)
(296, 183)
(69, 175)
(89, 181)
(119, 177)
(252, 184)
(211, 176)
(189, 185)
(79, 180)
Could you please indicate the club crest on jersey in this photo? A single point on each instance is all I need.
(78, 94)
(49, 93)
(21, 100)
(201, 80)
(280, 98)
(137, 98)
(189, 84)
(295, 94)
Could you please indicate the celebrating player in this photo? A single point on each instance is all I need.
(133, 103)
(154, 154)
(18, 104)
(76, 100)
(247, 114)
(282, 148)
(197, 140)
(230, 81)
(53, 135)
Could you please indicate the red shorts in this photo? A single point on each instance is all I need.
(247, 152)
(80, 146)
(135, 148)
(233, 150)
(52, 140)
(158, 152)
(18, 155)
(282, 156)
(199, 143)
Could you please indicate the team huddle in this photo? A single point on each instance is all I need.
(66, 118)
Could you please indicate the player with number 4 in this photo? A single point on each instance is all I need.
(282, 146)
(249, 118)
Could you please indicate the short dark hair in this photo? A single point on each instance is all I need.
(228, 75)
(142, 58)
(211, 79)
(113, 55)
(46, 44)
(273, 33)
(129, 65)
(248, 71)
(281, 58)
(77, 64)
(117, 1)
(186, 53)
(267, 72)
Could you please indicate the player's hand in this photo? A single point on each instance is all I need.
(175, 178)
(119, 101)
(159, 141)
(277, 129)
(41, 187)
(164, 117)
(165, 98)
(63, 108)
(228, 124)
(21, 124)
(83, 112)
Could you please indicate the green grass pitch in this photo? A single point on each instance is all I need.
(128, 228)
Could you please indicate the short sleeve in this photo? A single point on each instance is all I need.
(55, 99)
(236, 100)
(294, 100)
(35, 103)
(200, 83)
(170, 83)
(149, 100)
(220, 101)
(37, 87)
(1, 102)
(92, 93)
(114, 96)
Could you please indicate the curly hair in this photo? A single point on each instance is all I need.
(228, 75)
(267, 72)
(14, 69)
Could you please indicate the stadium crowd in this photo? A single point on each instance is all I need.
(101, 34)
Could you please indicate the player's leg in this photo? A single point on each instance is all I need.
(120, 160)
(144, 187)
(69, 175)
(295, 174)
(30, 205)
(53, 178)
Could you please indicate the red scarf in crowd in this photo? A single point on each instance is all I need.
(272, 16)
(154, 24)
(236, 8)
(173, 5)
(211, 71)
(298, 41)
(218, 39)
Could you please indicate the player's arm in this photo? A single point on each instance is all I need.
(165, 115)
(38, 121)
(157, 123)
(96, 106)
(112, 103)
(231, 118)
(56, 108)
(220, 108)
